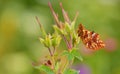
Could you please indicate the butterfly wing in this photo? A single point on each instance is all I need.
(90, 39)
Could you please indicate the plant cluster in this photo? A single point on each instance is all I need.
(55, 64)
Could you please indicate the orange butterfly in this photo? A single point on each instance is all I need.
(90, 39)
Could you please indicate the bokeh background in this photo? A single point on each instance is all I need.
(19, 32)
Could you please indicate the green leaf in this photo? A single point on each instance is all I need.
(47, 41)
(71, 71)
(75, 39)
(45, 69)
(67, 27)
(73, 26)
(43, 32)
(54, 43)
(56, 39)
(41, 40)
(65, 52)
(69, 55)
(57, 65)
(76, 54)
(58, 30)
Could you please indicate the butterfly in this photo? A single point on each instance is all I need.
(90, 39)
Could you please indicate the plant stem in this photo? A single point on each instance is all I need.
(54, 50)
(77, 13)
(54, 15)
(66, 41)
(41, 27)
(50, 51)
(65, 65)
(71, 41)
(65, 15)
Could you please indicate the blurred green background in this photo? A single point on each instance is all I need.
(19, 32)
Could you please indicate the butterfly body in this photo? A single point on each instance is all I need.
(90, 38)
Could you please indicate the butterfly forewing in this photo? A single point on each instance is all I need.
(90, 38)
